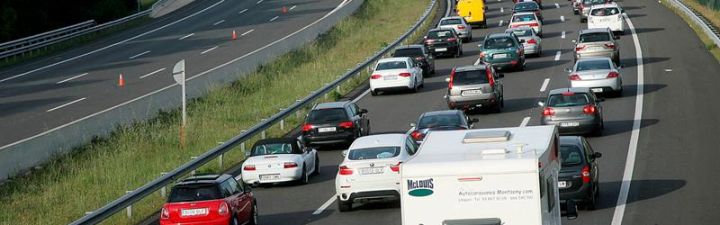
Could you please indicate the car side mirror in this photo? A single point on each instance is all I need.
(621, 66)
(596, 155)
(363, 111)
(541, 103)
(247, 188)
(501, 75)
(447, 80)
(248, 153)
(570, 210)
(344, 153)
(412, 124)
(622, 10)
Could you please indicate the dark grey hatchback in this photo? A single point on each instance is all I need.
(578, 178)
(335, 123)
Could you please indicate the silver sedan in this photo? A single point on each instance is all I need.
(533, 42)
(599, 74)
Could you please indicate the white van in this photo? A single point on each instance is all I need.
(484, 177)
(607, 16)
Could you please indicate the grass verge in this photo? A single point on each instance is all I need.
(101, 171)
(712, 15)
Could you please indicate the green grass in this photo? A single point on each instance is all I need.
(712, 15)
(101, 171)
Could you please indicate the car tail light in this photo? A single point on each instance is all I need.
(165, 213)
(613, 75)
(419, 58)
(396, 167)
(249, 167)
(344, 170)
(579, 48)
(375, 76)
(417, 135)
(405, 74)
(452, 39)
(224, 209)
(575, 77)
(532, 41)
(589, 109)
(513, 62)
(586, 174)
(307, 127)
(534, 24)
(288, 165)
(452, 76)
(547, 111)
(491, 79)
(461, 27)
(346, 124)
(610, 45)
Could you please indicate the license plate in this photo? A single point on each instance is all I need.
(194, 212)
(390, 77)
(593, 49)
(597, 90)
(471, 92)
(371, 170)
(326, 129)
(500, 56)
(441, 49)
(270, 177)
(570, 124)
(562, 184)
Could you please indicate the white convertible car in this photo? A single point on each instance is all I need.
(279, 160)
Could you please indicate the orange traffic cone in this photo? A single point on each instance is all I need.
(121, 81)
(284, 9)
(234, 35)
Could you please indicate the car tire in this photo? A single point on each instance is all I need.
(317, 165)
(415, 87)
(373, 93)
(344, 206)
(422, 83)
(254, 214)
(305, 177)
(597, 132)
(592, 202)
(234, 221)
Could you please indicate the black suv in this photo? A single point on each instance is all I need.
(335, 123)
(443, 41)
(420, 54)
(578, 178)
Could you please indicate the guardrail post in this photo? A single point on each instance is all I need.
(129, 208)
(220, 158)
(282, 124)
(163, 190)
(193, 171)
(242, 147)
(262, 134)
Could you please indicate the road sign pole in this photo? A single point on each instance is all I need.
(179, 77)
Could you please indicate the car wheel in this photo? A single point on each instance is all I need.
(415, 87)
(597, 132)
(422, 83)
(344, 206)
(254, 216)
(317, 165)
(373, 93)
(592, 202)
(304, 178)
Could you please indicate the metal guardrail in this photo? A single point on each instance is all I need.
(700, 20)
(134, 196)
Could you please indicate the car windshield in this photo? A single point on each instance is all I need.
(592, 65)
(523, 18)
(521, 32)
(194, 193)
(605, 11)
(568, 100)
(391, 65)
(594, 37)
(450, 22)
(408, 52)
(439, 121)
(325, 116)
(524, 6)
(571, 155)
(374, 153)
(440, 34)
(272, 149)
(470, 77)
(499, 43)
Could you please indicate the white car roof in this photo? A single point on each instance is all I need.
(378, 140)
(611, 4)
(393, 59)
(523, 13)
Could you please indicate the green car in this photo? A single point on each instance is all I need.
(503, 51)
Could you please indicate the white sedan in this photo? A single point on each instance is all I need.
(370, 170)
(279, 160)
(526, 19)
(607, 15)
(398, 73)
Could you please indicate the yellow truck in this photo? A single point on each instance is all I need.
(473, 11)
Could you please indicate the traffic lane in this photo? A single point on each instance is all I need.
(677, 151)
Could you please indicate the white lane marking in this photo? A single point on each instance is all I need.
(274, 18)
(544, 85)
(138, 55)
(112, 45)
(635, 135)
(206, 51)
(66, 104)
(562, 35)
(500, 25)
(247, 32)
(668, 70)
(153, 72)
(557, 55)
(258, 2)
(72, 78)
(361, 96)
(243, 11)
(502, 9)
(218, 22)
(477, 62)
(557, 5)
(175, 84)
(325, 205)
(562, 18)
(525, 121)
(186, 36)
(291, 8)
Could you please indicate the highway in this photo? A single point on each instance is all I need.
(46, 93)
(658, 147)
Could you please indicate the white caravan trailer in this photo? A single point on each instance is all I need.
(497, 176)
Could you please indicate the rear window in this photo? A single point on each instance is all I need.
(605, 11)
(563, 100)
(594, 37)
(450, 22)
(470, 77)
(526, 6)
(194, 193)
(521, 32)
(499, 43)
(374, 153)
(408, 52)
(272, 149)
(593, 65)
(439, 121)
(571, 155)
(440, 34)
(593, 2)
(391, 65)
(523, 18)
(325, 116)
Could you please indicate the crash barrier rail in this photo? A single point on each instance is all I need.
(706, 26)
(126, 201)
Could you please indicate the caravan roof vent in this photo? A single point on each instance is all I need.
(486, 136)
